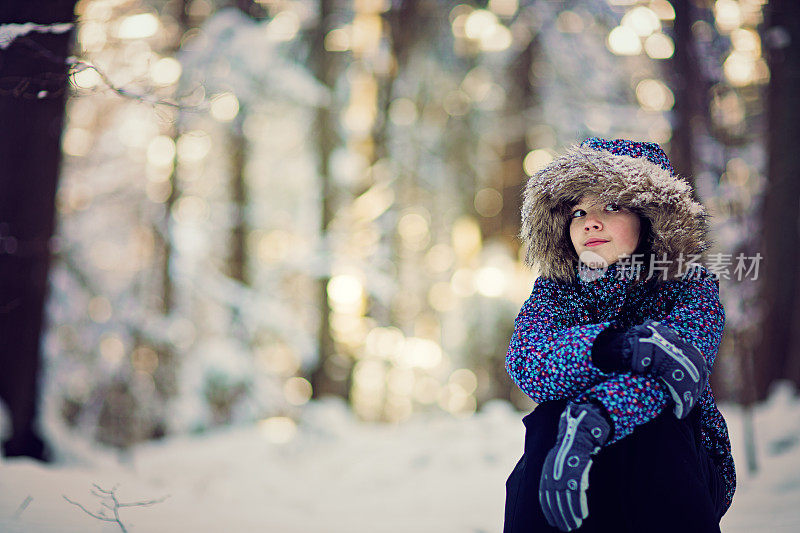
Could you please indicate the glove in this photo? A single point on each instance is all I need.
(582, 431)
(657, 350)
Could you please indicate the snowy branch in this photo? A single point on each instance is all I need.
(76, 65)
(10, 32)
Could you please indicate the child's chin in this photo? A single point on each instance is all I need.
(592, 259)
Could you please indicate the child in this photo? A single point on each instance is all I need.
(627, 436)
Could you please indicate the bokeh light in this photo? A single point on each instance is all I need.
(144, 359)
(138, 26)
(536, 160)
(284, 26)
(297, 390)
(86, 78)
(100, 309)
(504, 8)
(664, 9)
(420, 353)
(161, 151)
(193, 146)
(623, 41)
(466, 237)
(659, 46)
(165, 71)
(403, 111)
(642, 20)
(224, 107)
(488, 202)
(654, 95)
(345, 290)
(413, 229)
(569, 22)
(739, 69)
(727, 14)
(491, 281)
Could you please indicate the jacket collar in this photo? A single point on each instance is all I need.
(602, 276)
(607, 290)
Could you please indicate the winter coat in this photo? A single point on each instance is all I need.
(549, 356)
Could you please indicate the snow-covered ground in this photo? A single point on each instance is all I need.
(432, 473)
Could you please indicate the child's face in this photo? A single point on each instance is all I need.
(618, 226)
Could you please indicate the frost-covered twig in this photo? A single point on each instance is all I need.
(100, 516)
(78, 65)
(10, 32)
(100, 492)
(110, 501)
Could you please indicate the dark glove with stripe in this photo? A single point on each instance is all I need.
(657, 350)
(582, 431)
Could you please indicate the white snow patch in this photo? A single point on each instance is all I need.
(432, 473)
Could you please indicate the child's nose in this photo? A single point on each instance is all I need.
(592, 222)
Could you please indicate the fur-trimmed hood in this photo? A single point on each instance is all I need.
(679, 224)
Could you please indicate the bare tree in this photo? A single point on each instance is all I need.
(237, 259)
(33, 88)
(167, 290)
(324, 66)
(520, 104)
(780, 288)
(690, 89)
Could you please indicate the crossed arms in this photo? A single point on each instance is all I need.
(549, 356)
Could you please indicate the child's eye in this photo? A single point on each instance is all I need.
(611, 206)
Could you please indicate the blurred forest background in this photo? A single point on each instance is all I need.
(214, 212)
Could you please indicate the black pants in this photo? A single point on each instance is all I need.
(658, 479)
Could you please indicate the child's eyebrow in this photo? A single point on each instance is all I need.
(585, 205)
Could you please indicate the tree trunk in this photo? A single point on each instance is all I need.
(33, 88)
(167, 288)
(237, 257)
(690, 90)
(780, 297)
(506, 225)
(237, 261)
(167, 370)
(325, 128)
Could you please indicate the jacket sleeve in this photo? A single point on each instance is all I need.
(549, 354)
(698, 317)
(630, 400)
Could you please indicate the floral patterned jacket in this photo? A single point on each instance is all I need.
(549, 356)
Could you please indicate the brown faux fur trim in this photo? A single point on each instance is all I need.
(679, 223)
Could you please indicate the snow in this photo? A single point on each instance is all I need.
(434, 472)
(10, 32)
(222, 59)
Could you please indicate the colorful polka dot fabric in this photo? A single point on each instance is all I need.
(549, 356)
(651, 151)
